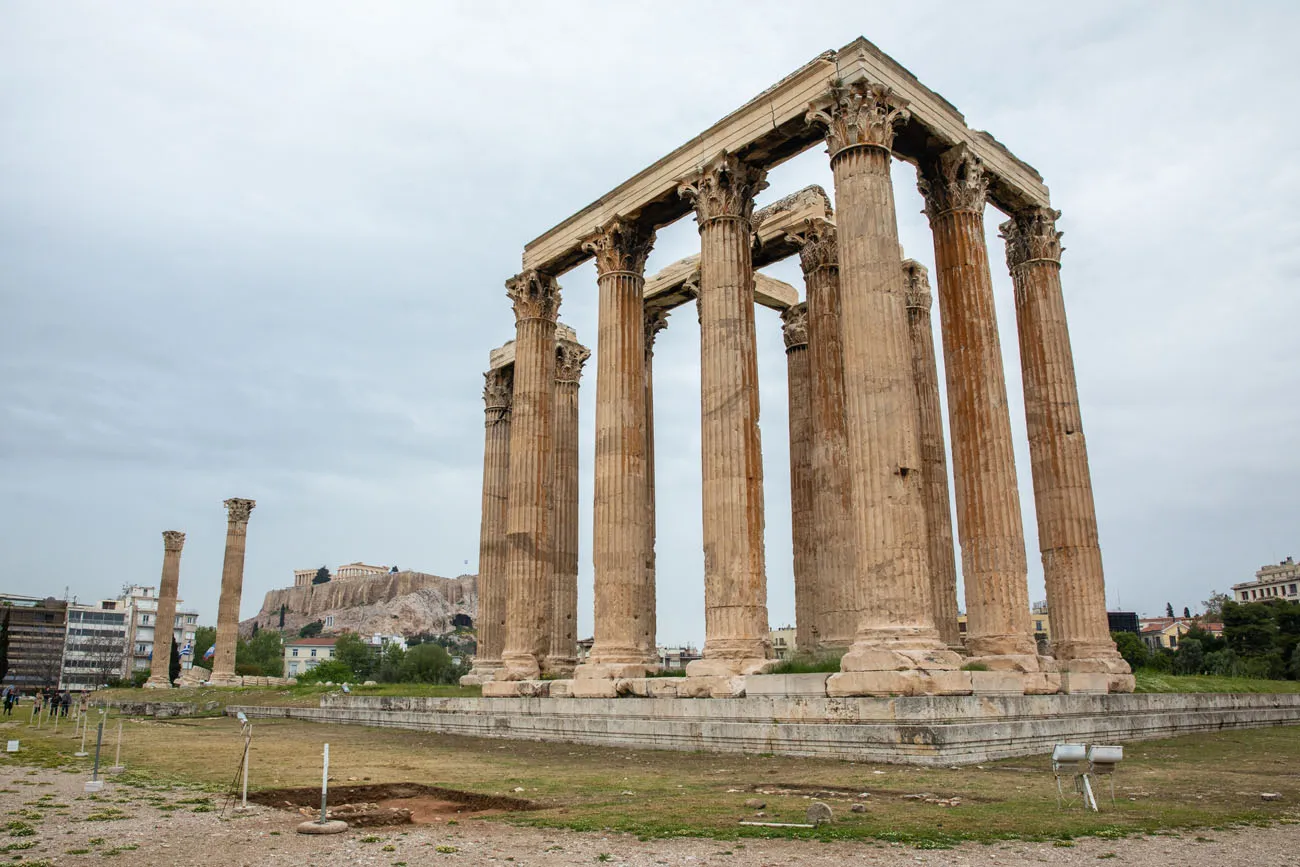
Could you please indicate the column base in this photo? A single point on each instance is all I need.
(912, 682)
(519, 666)
(225, 680)
(1021, 662)
(728, 667)
(559, 666)
(157, 683)
(478, 676)
(1107, 664)
(882, 657)
(599, 670)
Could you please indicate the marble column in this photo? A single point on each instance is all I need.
(735, 582)
(794, 328)
(896, 647)
(569, 359)
(232, 587)
(934, 460)
(984, 470)
(1058, 454)
(832, 506)
(160, 670)
(624, 637)
(655, 321)
(530, 546)
(498, 390)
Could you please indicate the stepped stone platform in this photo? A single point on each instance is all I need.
(920, 730)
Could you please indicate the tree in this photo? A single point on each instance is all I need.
(1214, 605)
(1169, 609)
(204, 637)
(311, 630)
(427, 663)
(1132, 648)
(4, 643)
(263, 652)
(391, 657)
(1190, 656)
(254, 629)
(283, 609)
(1249, 627)
(174, 665)
(355, 654)
(330, 669)
(322, 576)
(1187, 612)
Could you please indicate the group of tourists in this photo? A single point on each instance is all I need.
(49, 700)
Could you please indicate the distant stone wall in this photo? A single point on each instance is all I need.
(923, 730)
(396, 602)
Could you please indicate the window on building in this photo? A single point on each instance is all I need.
(1173, 641)
(1038, 626)
(295, 651)
(313, 651)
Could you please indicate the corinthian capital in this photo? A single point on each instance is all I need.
(953, 182)
(499, 388)
(656, 320)
(724, 188)
(1031, 235)
(239, 510)
(173, 540)
(569, 359)
(535, 295)
(818, 245)
(861, 114)
(621, 245)
(794, 325)
(916, 284)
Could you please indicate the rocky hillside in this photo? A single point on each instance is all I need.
(405, 603)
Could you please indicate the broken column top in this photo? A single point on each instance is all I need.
(504, 355)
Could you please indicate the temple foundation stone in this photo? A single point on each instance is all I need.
(160, 670)
(232, 587)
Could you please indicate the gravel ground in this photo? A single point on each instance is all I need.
(158, 829)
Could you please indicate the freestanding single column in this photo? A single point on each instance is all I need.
(232, 587)
(896, 648)
(832, 505)
(934, 461)
(984, 469)
(736, 639)
(569, 358)
(530, 557)
(794, 328)
(160, 670)
(656, 320)
(498, 389)
(1058, 454)
(624, 638)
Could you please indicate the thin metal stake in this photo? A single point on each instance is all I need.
(324, 785)
(117, 761)
(248, 742)
(99, 740)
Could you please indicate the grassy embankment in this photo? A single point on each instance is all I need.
(1201, 781)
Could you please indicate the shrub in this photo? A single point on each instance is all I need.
(330, 669)
(1132, 648)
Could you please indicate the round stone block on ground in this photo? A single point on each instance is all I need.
(333, 826)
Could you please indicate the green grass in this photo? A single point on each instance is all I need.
(1150, 681)
(809, 664)
(301, 695)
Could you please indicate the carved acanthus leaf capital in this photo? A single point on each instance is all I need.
(794, 325)
(916, 284)
(173, 540)
(724, 188)
(953, 182)
(862, 114)
(621, 245)
(819, 245)
(239, 510)
(535, 295)
(1031, 235)
(656, 320)
(499, 388)
(569, 359)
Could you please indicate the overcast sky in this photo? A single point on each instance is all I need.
(254, 249)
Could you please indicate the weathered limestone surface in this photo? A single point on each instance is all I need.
(678, 284)
(1058, 453)
(924, 730)
(988, 499)
(624, 623)
(806, 603)
(490, 620)
(570, 356)
(896, 629)
(934, 460)
(832, 506)
(656, 320)
(735, 582)
(530, 556)
(232, 587)
(159, 671)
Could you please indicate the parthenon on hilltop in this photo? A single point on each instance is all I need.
(874, 562)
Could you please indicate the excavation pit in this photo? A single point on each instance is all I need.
(389, 804)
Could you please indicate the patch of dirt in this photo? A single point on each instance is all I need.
(385, 804)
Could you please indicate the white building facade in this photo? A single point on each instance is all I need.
(1280, 581)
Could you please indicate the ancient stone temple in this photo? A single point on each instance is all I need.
(232, 588)
(159, 669)
(875, 568)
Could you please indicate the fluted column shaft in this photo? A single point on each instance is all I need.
(1067, 517)
(895, 633)
(564, 595)
(624, 637)
(934, 460)
(655, 321)
(160, 669)
(232, 587)
(492, 547)
(735, 584)
(806, 602)
(832, 505)
(988, 499)
(529, 534)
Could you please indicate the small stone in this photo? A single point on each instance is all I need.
(819, 813)
(858, 808)
(519, 788)
(755, 803)
(1270, 796)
